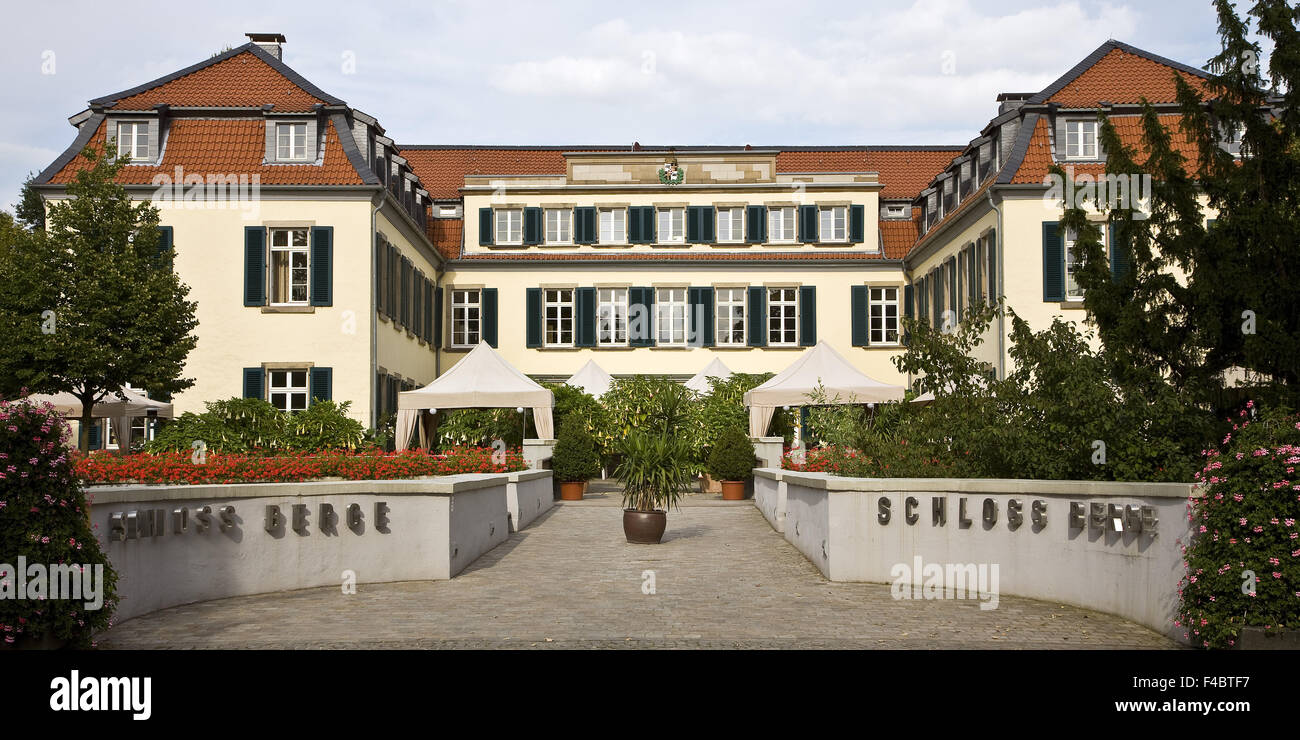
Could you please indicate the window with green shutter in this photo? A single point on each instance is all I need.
(808, 224)
(165, 244)
(585, 317)
(254, 265)
(757, 316)
(584, 225)
(807, 315)
(857, 224)
(1053, 263)
(489, 323)
(1121, 258)
(254, 383)
(532, 226)
(756, 224)
(322, 266)
(702, 326)
(533, 317)
(322, 384)
(858, 320)
(485, 227)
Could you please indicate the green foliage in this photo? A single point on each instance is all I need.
(479, 427)
(88, 305)
(575, 402)
(575, 458)
(732, 457)
(30, 209)
(833, 420)
(650, 404)
(43, 518)
(1248, 534)
(241, 425)
(655, 470)
(723, 407)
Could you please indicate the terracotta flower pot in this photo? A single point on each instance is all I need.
(571, 490)
(644, 527)
(733, 490)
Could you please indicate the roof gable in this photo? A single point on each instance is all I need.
(1120, 73)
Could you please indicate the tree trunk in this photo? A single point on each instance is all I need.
(87, 419)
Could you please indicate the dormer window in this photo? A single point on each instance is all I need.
(894, 210)
(1080, 139)
(133, 140)
(291, 141)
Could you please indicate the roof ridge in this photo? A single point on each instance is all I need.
(250, 47)
(1096, 56)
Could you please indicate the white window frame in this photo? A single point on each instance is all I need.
(731, 224)
(1076, 146)
(289, 248)
(672, 317)
(832, 216)
(672, 226)
(728, 308)
(782, 224)
(508, 226)
(289, 388)
(291, 141)
(134, 146)
(894, 210)
(466, 317)
(1074, 293)
(558, 223)
(883, 309)
(614, 222)
(611, 317)
(558, 305)
(789, 309)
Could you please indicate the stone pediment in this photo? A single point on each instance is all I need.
(692, 168)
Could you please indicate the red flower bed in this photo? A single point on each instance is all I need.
(179, 468)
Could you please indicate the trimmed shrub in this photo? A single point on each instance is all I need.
(44, 520)
(1243, 565)
(732, 457)
(575, 458)
(247, 425)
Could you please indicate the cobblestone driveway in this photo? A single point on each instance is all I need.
(723, 578)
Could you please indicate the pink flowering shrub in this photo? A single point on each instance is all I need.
(44, 518)
(1243, 564)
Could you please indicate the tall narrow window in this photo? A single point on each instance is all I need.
(1080, 139)
(288, 273)
(290, 141)
(1073, 291)
(557, 311)
(884, 315)
(559, 224)
(731, 224)
(671, 316)
(780, 224)
(287, 389)
(834, 224)
(613, 226)
(133, 141)
(672, 225)
(611, 317)
(731, 316)
(782, 316)
(466, 315)
(510, 226)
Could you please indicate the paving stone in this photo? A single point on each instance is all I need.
(723, 580)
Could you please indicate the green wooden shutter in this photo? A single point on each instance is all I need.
(808, 224)
(430, 296)
(95, 441)
(991, 265)
(532, 225)
(644, 297)
(859, 319)
(584, 317)
(437, 317)
(254, 382)
(757, 310)
(807, 315)
(907, 310)
(693, 225)
(634, 226)
(485, 226)
(936, 293)
(321, 380)
(322, 266)
(857, 224)
(254, 265)
(488, 326)
(708, 219)
(584, 225)
(1121, 259)
(756, 224)
(394, 272)
(958, 297)
(701, 307)
(533, 317)
(165, 244)
(381, 293)
(648, 224)
(1053, 263)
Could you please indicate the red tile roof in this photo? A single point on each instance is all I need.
(445, 235)
(903, 172)
(897, 236)
(1123, 77)
(1039, 157)
(241, 81)
(226, 146)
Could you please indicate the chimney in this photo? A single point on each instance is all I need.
(270, 42)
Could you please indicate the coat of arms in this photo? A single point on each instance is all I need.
(671, 173)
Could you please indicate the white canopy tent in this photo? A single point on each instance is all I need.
(820, 365)
(591, 378)
(715, 369)
(482, 379)
(120, 407)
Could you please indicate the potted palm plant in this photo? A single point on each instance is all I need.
(574, 460)
(655, 471)
(731, 461)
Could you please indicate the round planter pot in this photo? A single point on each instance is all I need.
(733, 490)
(572, 490)
(644, 527)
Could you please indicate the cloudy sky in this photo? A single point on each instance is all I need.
(693, 72)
